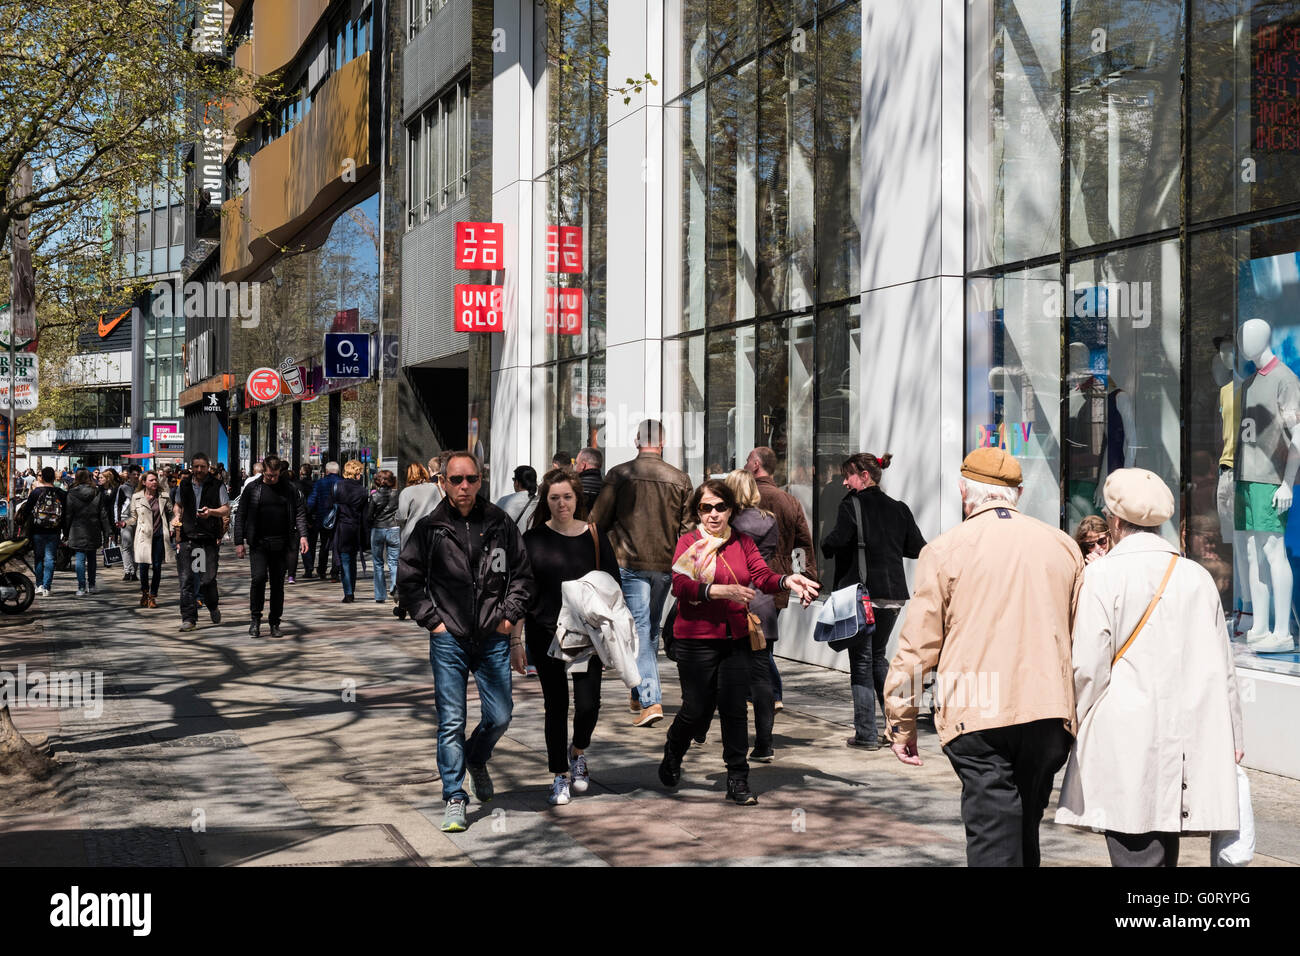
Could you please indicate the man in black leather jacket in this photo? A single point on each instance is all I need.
(464, 575)
(272, 522)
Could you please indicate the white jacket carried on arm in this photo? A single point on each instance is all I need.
(594, 618)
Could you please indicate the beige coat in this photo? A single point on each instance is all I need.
(991, 616)
(142, 517)
(1156, 734)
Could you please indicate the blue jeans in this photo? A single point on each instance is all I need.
(453, 660)
(46, 547)
(645, 593)
(85, 569)
(347, 569)
(384, 542)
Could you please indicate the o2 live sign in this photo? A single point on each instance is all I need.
(347, 355)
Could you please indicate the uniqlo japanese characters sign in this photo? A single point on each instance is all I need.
(563, 311)
(480, 245)
(564, 249)
(478, 308)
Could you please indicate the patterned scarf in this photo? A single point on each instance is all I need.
(699, 561)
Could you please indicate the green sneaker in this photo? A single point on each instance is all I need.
(453, 818)
(480, 781)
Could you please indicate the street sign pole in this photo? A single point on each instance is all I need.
(18, 282)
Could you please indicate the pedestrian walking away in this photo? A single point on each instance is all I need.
(522, 502)
(385, 534)
(1155, 683)
(716, 573)
(420, 496)
(320, 539)
(89, 527)
(271, 525)
(122, 517)
(761, 525)
(464, 575)
(995, 598)
(644, 508)
(45, 513)
(561, 547)
(794, 547)
(349, 502)
(201, 503)
(873, 533)
(150, 526)
(589, 463)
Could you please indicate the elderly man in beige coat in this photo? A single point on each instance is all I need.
(991, 617)
(1155, 688)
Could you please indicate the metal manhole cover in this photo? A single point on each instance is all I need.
(390, 778)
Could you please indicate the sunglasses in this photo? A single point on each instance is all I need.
(709, 509)
(457, 479)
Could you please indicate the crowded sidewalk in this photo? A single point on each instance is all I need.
(213, 749)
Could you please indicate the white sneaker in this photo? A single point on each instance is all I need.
(559, 791)
(40, 590)
(579, 777)
(1273, 645)
(81, 592)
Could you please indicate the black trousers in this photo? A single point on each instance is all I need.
(1142, 849)
(196, 566)
(555, 695)
(714, 674)
(319, 541)
(1006, 780)
(264, 564)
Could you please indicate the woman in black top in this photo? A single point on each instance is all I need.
(385, 533)
(561, 547)
(891, 535)
(350, 526)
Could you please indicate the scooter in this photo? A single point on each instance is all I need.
(17, 592)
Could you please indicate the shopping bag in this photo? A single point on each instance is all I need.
(112, 555)
(1236, 847)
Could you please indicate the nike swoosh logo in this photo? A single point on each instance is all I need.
(106, 329)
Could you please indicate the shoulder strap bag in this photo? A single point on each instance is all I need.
(757, 639)
(1150, 607)
(595, 543)
(864, 597)
(332, 518)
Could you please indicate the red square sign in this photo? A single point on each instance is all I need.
(480, 245)
(563, 311)
(478, 308)
(564, 249)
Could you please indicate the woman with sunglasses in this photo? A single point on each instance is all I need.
(1093, 538)
(716, 571)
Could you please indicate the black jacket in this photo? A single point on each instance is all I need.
(591, 481)
(351, 533)
(86, 518)
(892, 535)
(244, 528)
(436, 584)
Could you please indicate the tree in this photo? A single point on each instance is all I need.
(93, 97)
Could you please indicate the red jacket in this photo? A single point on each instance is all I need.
(738, 562)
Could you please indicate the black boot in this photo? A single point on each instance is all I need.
(255, 628)
(738, 790)
(275, 630)
(670, 771)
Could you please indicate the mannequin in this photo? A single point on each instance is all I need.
(1221, 368)
(1101, 433)
(1267, 459)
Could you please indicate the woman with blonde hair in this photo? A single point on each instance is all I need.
(759, 524)
(420, 496)
(349, 496)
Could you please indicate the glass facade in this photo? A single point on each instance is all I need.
(762, 337)
(1133, 273)
(569, 267)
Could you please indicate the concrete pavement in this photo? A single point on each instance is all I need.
(213, 749)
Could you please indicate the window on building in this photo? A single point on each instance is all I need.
(438, 154)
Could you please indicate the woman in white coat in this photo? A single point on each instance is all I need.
(1159, 716)
(151, 514)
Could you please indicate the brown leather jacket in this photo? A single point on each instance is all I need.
(643, 508)
(792, 532)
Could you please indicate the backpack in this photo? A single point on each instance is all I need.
(48, 513)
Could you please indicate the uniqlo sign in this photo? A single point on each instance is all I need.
(563, 311)
(478, 308)
(564, 249)
(480, 245)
